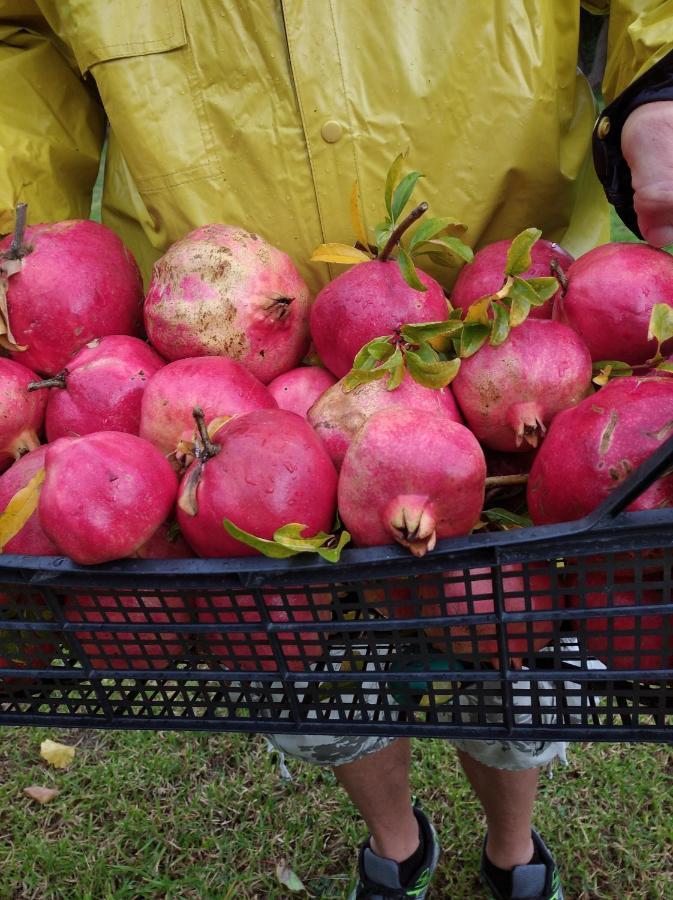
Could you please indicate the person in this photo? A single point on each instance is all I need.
(261, 113)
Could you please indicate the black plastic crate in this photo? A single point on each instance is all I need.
(380, 643)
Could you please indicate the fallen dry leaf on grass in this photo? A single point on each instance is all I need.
(41, 794)
(58, 755)
(287, 877)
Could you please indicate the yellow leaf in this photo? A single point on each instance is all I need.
(339, 253)
(20, 508)
(9, 267)
(41, 794)
(356, 216)
(216, 424)
(57, 755)
(478, 311)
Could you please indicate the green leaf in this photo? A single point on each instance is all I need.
(661, 323)
(356, 377)
(506, 519)
(435, 374)
(472, 337)
(402, 193)
(425, 331)
(519, 309)
(665, 367)
(288, 541)
(545, 288)
(479, 311)
(499, 326)
(609, 368)
(439, 259)
(456, 249)
(518, 255)
(522, 289)
(409, 271)
(378, 349)
(382, 233)
(429, 229)
(391, 181)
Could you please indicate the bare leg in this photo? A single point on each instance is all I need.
(507, 798)
(378, 784)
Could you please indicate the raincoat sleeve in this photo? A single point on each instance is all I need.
(52, 125)
(639, 70)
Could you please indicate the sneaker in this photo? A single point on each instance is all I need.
(538, 881)
(379, 877)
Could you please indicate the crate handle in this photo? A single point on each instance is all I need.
(633, 486)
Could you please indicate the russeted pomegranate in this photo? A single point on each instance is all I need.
(104, 495)
(77, 282)
(337, 415)
(591, 448)
(510, 393)
(100, 389)
(222, 291)
(269, 469)
(413, 477)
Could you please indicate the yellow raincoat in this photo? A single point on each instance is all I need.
(262, 113)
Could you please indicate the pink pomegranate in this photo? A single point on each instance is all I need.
(413, 477)
(369, 301)
(510, 393)
(253, 650)
(21, 413)
(623, 642)
(104, 495)
(220, 386)
(338, 414)
(486, 273)
(271, 469)
(136, 650)
(100, 389)
(222, 291)
(609, 299)
(591, 448)
(167, 542)
(298, 389)
(523, 592)
(31, 539)
(77, 282)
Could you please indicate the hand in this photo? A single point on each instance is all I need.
(647, 145)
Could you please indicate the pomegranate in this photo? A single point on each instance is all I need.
(220, 386)
(413, 477)
(100, 389)
(253, 650)
(486, 273)
(298, 389)
(624, 642)
(21, 413)
(510, 393)
(77, 282)
(222, 291)
(31, 539)
(591, 448)
(167, 542)
(337, 415)
(104, 495)
(370, 300)
(137, 650)
(609, 298)
(460, 594)
(269, 469)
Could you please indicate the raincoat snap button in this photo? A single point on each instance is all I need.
(603, 128)
(331, 132)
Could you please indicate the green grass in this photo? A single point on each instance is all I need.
(154, 815)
